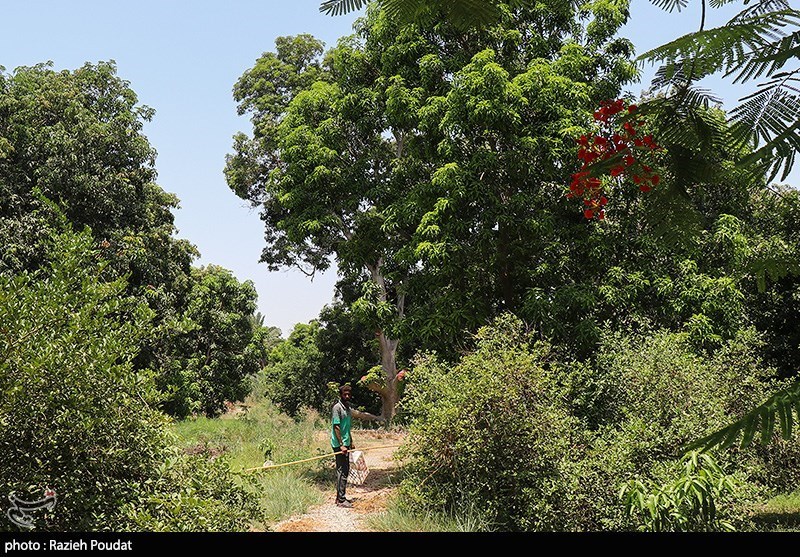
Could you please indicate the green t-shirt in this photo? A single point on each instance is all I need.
(341, 417)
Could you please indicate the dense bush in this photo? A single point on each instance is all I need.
(547, 445)
(75, 417)
(653, 394)
(193, 493)
(336, 349)
(493, 432)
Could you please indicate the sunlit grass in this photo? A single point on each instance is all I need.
(246, 437)
(779, 514)
(399, 518)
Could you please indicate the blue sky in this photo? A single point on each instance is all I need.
(182, 58)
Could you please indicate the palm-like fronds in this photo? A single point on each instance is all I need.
(756, 43)
(461, 13)
(732, 46)
(756, 8)
(670, 5)
(341, 7)
(772, 58)
(780, 408)
(771, 117)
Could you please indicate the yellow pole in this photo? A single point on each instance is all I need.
(312, 458)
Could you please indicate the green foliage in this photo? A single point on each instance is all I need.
(263, 341)
(306, 369)
(422, 159)
(348, 346)
(464, 14)
(295, 377)
(72, 151)
(689, 503)
(779, 409)
(76, 137)
(75, 418)
(267, 446)
(492, 429)
(373, 376)
(216, 344)
(576, 432)
(245, 436)
(193, 493)
(781, 514)
(287, 494)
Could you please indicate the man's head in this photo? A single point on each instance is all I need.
(344, 393)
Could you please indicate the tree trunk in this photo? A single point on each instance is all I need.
(506, 271)
(388, 347)
(389, 365)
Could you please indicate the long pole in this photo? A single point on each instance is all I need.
(312, 458)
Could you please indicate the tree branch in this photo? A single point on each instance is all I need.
(366, 416)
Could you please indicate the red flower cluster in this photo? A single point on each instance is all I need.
(607, 143)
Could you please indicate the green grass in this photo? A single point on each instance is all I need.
(244, 438)
(285, 494)
(398, 518)
(779, 514)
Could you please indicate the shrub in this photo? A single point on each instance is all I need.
(547, 445)
(193, 493)
(75, 417)
(492, 431)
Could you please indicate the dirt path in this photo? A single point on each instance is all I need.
(368, 499)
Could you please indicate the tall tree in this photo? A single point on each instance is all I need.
(72, 150)
(367, 155)
(319, 166)
(215, 348)
(75, 137)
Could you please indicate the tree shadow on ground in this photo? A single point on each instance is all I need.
(777, 521)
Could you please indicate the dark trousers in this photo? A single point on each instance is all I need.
(342, 471)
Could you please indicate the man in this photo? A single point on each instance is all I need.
(342, 442)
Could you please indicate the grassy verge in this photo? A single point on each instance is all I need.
(779, 514)
(248, 439)
(399, 518)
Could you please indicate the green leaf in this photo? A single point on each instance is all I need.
(340, 7)
(768, 421)
(750, 426)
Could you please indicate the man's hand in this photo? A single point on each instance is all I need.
(352, 447)
(344, 449)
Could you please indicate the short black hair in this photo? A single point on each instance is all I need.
(345, 387)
